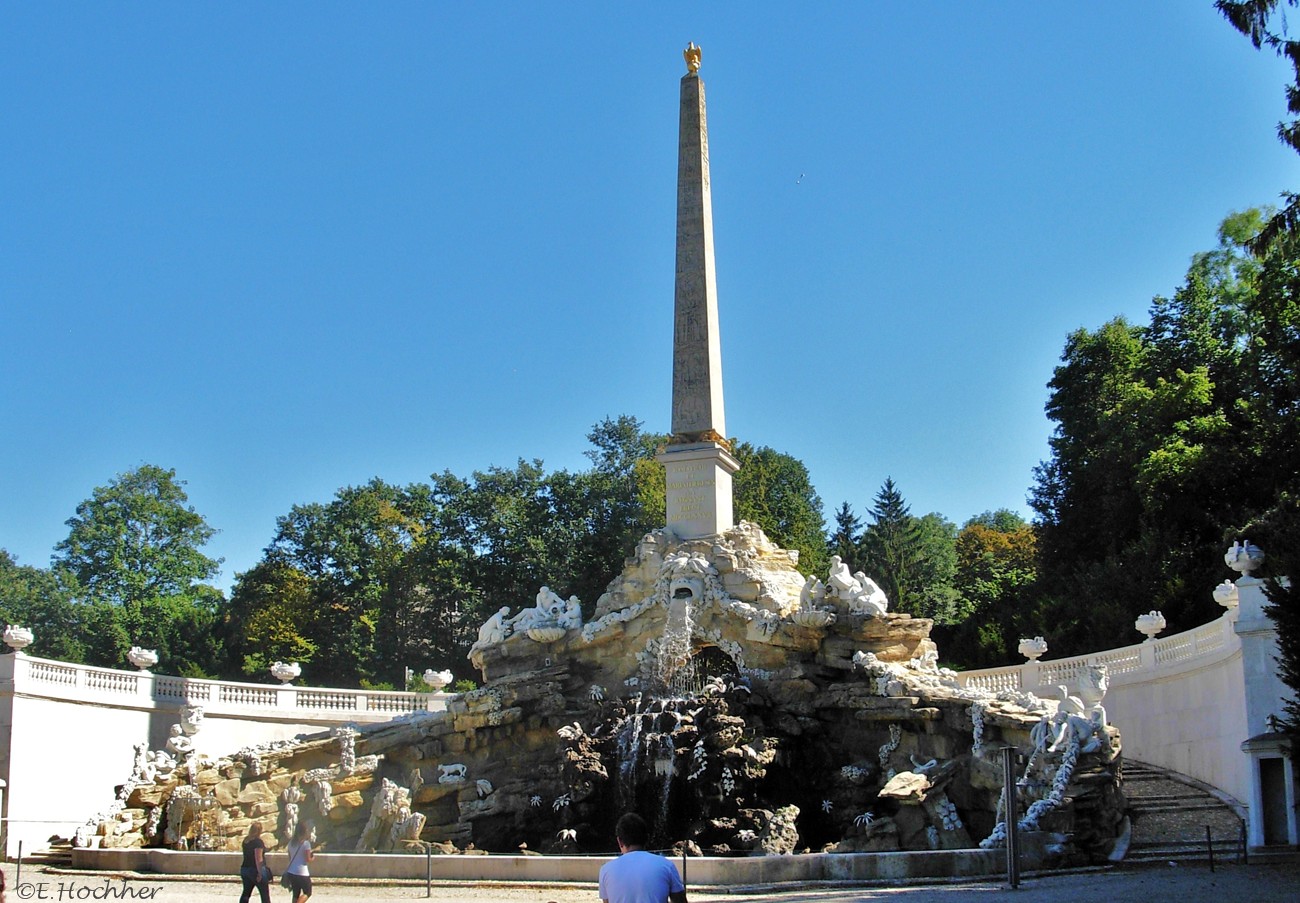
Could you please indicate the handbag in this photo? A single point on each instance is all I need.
(285, 882)
(267, 874)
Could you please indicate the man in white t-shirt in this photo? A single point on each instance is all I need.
(637, 876)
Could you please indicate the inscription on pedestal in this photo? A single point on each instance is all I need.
(698, 490)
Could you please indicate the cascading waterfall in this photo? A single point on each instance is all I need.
(629, 752)
(674, 669)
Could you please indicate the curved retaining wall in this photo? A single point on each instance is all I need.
(67, 731)
(1178, 701)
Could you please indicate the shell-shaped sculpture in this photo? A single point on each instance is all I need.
(813, 617)
(546, 632)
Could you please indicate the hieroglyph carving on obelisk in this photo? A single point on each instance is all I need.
(697, 463)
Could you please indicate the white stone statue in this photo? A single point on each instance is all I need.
(871, 599)
(1093, 684)
(142, 658)
(163, 766)
(451, 774)
(571, 619)
(840, 579)
(143, 771)
(549, 607)
(812, 593)
(494, 631)
(191, 719)
(858, 591)
(178, 744)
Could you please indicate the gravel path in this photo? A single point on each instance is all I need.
(1270, 881)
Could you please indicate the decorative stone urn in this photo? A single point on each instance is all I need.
(546, 632)
(1226, 595)
(142, 658)
(1244, 557)
(286, 671)
(18, 638)
(1150, 624)
(437, 679)
(1033, 649)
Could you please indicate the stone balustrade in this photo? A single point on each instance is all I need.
(1127, 664)
(38, 677)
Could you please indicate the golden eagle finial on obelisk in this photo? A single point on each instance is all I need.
(692, 54)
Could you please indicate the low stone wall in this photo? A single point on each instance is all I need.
(67, 731)
(706, 871)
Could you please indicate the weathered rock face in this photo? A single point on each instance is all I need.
(736, 704)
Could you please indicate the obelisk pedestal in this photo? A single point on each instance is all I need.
(697, 463)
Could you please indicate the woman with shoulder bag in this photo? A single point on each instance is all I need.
(300, 853)
(254, 870)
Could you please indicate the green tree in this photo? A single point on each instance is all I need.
(352, 552)
(44, 601)
(890, 547)
(845, 541)
(136, 539)
(773, 490)
(134, 552)
(934, 594)
(996, 568)
(1263, 23)
(271, 611)
(1155, 426)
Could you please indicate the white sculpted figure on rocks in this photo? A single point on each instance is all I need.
(549, 607)
(451, 774)
(858, 591)
(572, 617)
(494, 631)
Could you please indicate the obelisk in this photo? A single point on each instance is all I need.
(697, 463)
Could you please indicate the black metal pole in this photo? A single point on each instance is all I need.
(428, 869)
(18, 878)
(1209, 846)
(1013, 837)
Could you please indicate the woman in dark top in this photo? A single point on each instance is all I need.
(253, 869)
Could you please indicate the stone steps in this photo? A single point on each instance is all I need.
(1176, 819)
(56, 855)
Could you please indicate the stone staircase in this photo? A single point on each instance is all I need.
(57, 855)
(1178, 819)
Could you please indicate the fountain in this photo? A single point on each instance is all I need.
(743, 707)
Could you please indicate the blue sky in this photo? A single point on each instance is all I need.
(284, 248)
